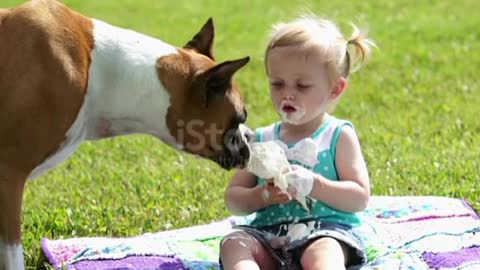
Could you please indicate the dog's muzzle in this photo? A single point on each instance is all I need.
(237, 150)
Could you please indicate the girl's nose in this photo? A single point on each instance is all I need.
(288, 94)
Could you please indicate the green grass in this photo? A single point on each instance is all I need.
(415, 107)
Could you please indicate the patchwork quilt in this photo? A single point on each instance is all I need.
(403, 232)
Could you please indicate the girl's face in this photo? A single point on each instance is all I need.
(299, 85)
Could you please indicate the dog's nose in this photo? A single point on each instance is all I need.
(247, 133)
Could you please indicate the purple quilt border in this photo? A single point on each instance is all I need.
(449, 259)
(48, 253)
(132, 263)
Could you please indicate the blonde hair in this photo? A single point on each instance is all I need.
(312, 33)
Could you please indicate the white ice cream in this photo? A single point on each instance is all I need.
(268, 160)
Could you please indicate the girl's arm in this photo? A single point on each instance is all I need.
(243, 196)
(352, 192)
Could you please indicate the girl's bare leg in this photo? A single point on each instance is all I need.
(241, 251)
(325, 253)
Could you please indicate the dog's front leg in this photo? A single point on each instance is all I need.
(11, 193)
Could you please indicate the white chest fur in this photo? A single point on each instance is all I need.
(124, 92)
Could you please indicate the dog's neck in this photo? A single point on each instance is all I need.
(124, 93)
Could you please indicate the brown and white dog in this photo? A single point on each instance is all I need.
(66, 78)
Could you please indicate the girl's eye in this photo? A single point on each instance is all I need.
(303, 86)
(276, 84)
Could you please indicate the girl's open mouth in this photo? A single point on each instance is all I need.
(290, 113)
(289, 109)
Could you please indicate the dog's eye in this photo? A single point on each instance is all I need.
(240, 118)
(243, 118)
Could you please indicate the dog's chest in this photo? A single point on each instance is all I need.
(74, 136)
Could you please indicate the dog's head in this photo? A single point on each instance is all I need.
(206, 113)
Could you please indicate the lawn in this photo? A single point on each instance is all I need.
(415, 108)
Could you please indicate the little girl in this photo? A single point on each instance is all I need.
(308, 62)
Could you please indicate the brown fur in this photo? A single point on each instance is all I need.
(44, 62)
(188, 101)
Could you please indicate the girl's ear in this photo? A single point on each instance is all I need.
(338, 87)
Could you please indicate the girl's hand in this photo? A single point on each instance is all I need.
(273, 194)
(300, 179)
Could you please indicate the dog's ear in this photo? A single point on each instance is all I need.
(219, 78)
(202, 42)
